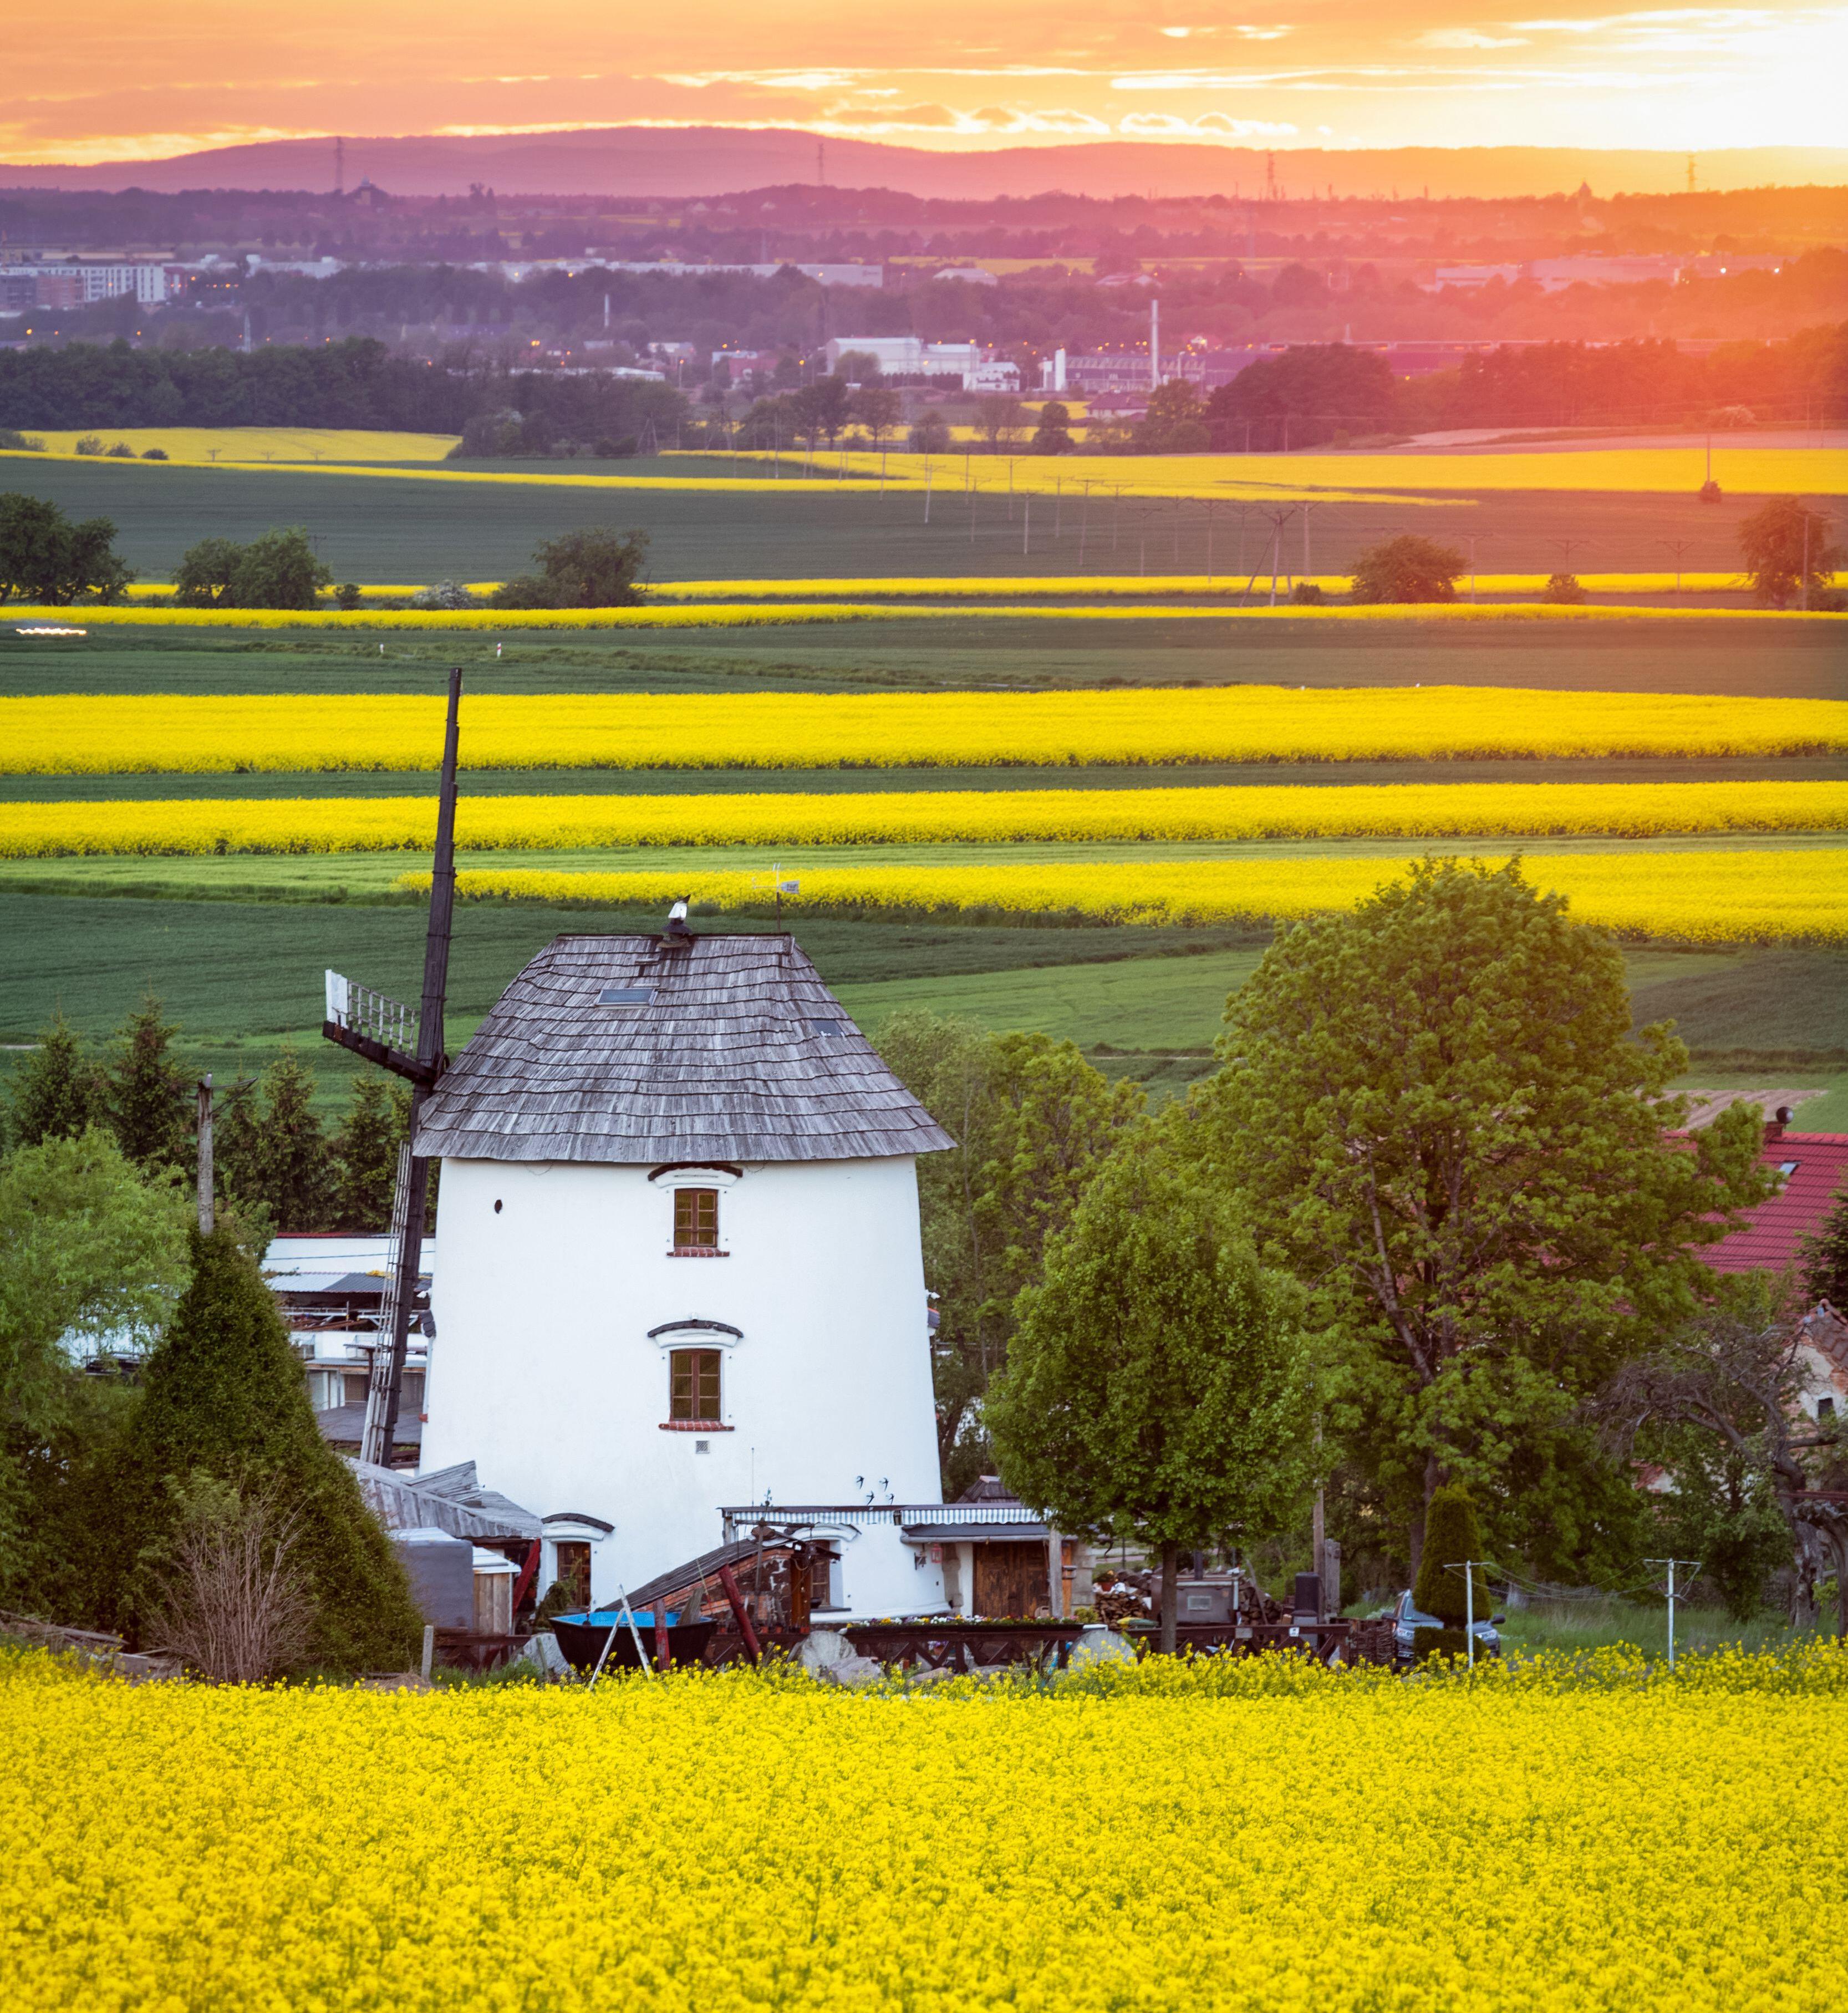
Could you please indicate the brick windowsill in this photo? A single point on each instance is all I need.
(694, 1251)
(695, 1426)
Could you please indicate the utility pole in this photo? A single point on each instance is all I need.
(1693, 1567)
(1467, 1568)
(1678, 546)
(1154, 345)
(205, 1175)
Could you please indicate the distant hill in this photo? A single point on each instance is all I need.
(707, 161)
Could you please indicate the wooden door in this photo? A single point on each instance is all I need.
(1010, 1579)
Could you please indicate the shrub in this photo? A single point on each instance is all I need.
(13, 442)
(347, 594)
(233, 1603)
(931, 434)
(1307, 593)
(154, 454)
(90, 444)
(594, 568)
(1451, 1536)
(1563, 588)
(1408, 568)
(445, 594)
(121, 451)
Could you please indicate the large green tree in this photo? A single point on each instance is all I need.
(1433, 1106)
(1154, 1390)
(91, 1255)
(1788, 551)
(365, 1151)
(1032, 1120)
(270, 1151)
(597, 567)
(43, 557)
(223, 1396)
(278, 569)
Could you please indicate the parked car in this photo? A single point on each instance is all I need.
(1406, 1619)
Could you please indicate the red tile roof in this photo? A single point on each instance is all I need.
(1775, 1231)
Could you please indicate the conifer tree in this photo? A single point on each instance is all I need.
(1451, 1538)
(366, 1149)
(223, 1396)
(297, 1182)
(60, 1091)
(147, 1094)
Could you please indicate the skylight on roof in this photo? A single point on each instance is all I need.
(625, 996)
(834, 1027)
(1787, 1168)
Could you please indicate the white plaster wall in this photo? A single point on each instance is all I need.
(542, 1372)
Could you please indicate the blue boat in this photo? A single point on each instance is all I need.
(583, 1636)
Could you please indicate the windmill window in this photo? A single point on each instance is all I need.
(696, 1222)
(1825, 1408)
(693, 1387)
(829, 1029)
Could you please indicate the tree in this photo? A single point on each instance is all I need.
(1786, 549)
(857, 369)
(1452, 1539)
(597, 567)
(1736, 1373)
(1175, 422)
(224, 1397)
(1054, 434)
(1433, 1110)
(45, 557)
(277, 570)
(147, 1094)
(998, 420)
(821, 408)
(1408, 568)
(270, 1154)
(1825, 1257)
(365, 1151)
(1032, 1121)
(878, 408)
(929, 435)
(1318, 387)
(1155, 1387)
(89, 1251)
(60, 1090)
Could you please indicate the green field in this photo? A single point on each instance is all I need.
(377, 528)
(1747, 659)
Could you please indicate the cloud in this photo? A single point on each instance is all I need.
(1246, 31)
(1209, 125)
(1468, 38)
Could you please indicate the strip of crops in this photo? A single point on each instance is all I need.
(86, 734)
(1254, 1837)
(1225, 582)
(1748, 897)
(1676, 471)
(1420, 810)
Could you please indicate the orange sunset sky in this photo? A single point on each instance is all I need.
(98, 79)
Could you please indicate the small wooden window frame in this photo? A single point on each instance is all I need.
(695, 1392)
(696, 1223)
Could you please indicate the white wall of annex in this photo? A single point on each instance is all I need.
(543, 1374)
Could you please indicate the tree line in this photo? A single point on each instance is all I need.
(355, 383)
(1430, 1225)
(275, 1162)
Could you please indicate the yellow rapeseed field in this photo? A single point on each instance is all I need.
(1674, 470)
(71, 735)
(1075, 586)
(735, 1845)
(751, 615)
(210, 444)
(1763, 897)
(1432, 810)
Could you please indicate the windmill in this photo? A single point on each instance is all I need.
(409, 1042)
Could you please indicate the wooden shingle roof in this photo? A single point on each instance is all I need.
(640, 1050)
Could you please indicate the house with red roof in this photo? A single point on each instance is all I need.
(1814, 1166)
